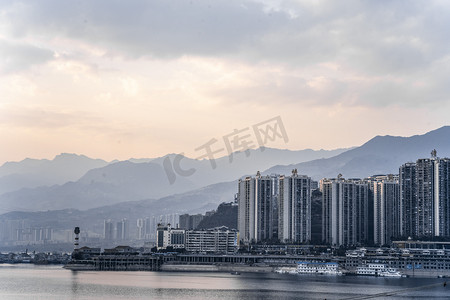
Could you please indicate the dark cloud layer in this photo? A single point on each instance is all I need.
(157, 28)
(379, 35)
(386, 39)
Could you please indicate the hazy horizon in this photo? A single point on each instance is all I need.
(172, 153)
(218, 157)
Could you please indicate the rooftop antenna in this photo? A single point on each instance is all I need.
(433, 153)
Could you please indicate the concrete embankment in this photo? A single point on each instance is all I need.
(216, 268)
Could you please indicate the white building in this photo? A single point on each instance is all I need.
(257, 208)
(123, 230)
(216, 240)
(294, 208)
(387, 213)
(140, 223)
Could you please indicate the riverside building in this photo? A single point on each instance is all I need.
(215, 240)
(387, 214)
(294, 208)
(344, 211)
(425, 197)
(166, 236)
(256, 208)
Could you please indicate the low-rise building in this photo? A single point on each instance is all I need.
(167, 236)
(217, 240)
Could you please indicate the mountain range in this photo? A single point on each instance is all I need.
(380, 155)
(193, 202)
(119, 181)
(30, 173)
(140, 187)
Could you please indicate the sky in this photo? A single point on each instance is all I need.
(120, 79)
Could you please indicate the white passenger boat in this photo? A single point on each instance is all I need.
(319, 268)
(377, 269)
(390, 272)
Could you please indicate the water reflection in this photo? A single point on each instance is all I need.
(39, 282)
(74, 283)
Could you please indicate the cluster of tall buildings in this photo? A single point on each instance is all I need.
(145, 228)
(275, 208)
(14, 232)
(116, 230)
(373, 210)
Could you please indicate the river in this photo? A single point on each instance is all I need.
(23, 281)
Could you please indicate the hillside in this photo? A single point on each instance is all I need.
(380, 155)
(197, 201)
(30, 173)
(137, 179)
(225, 215)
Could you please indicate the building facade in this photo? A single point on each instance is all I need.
(123, 230)
(425, 197)
(386, 206)
(257, 210)
(294, 208)
(407, 175)
(166, 236)
(108, 230)
(345, 211)
(216, 240)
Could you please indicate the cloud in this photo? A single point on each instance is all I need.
(382, 52)
(130, 86)
(137, 28)
(34, 117)
(391, 36)
(18, 57)
(375, 35)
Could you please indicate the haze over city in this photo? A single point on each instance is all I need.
(115, 80)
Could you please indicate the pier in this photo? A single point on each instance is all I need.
(118, 263)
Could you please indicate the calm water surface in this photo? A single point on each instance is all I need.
(54, 282)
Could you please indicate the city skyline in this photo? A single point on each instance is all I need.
(375, 210)
(143, 79)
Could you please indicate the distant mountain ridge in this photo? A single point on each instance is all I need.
(30, 173)
(380, 155)
(116, 190)
(129, 181)
(197, 201)
(136, 179)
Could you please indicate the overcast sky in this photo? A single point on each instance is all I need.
(120, 79)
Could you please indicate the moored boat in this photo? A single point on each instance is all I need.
(377, 269)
